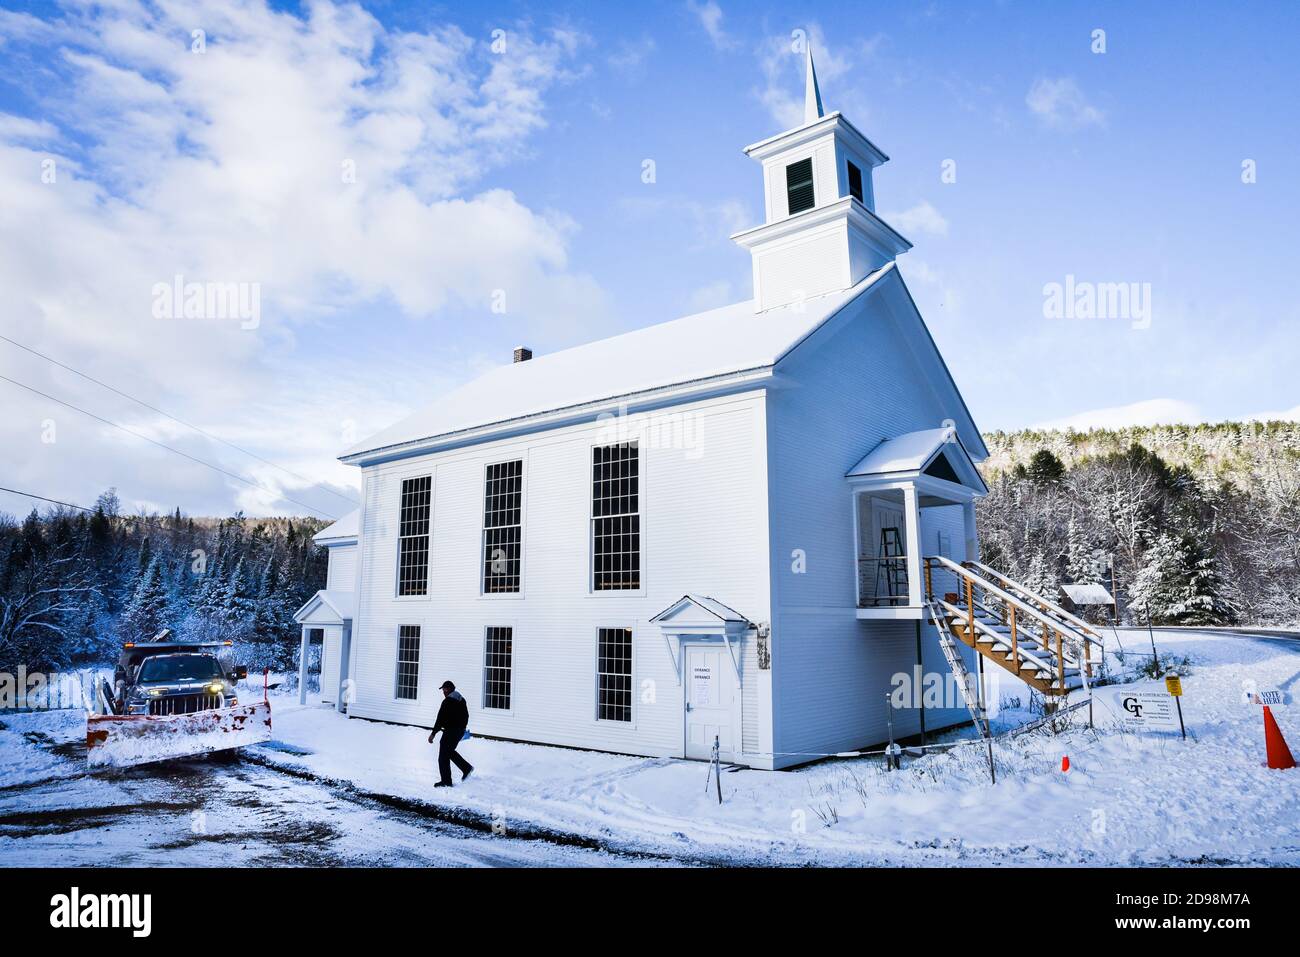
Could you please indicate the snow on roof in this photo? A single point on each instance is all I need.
(346, 527)
(1088, 594)
(717, 607)
(711, 605)
(342, 603)
(909, 452)
(721, 341)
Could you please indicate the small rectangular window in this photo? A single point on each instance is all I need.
(408, 662)
(615, 517)
(855, 182)
(503, 495)
(799, 186)
(614, 670)
(413, 537)
(496, 671)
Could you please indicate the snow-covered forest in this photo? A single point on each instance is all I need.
(75, 584)
(1202, 522)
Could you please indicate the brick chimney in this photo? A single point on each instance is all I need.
(523, 354)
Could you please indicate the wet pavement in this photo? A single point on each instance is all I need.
(224, 811)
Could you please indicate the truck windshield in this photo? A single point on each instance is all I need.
(180, 668)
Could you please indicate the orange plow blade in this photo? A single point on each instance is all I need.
(117, 741)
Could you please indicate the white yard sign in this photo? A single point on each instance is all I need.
(1274, 697)
(1147, 706)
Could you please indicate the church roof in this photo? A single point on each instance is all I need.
(707, 345)
(341, 532)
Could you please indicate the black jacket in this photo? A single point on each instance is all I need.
(453, 715)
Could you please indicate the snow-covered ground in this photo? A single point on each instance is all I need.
(1128, 799)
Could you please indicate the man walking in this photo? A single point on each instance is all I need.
(453, 719)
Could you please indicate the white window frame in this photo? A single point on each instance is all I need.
(513, 632)
(640, 590)
(522, 459)
(428, 553)
(398, 661)
(632, 695)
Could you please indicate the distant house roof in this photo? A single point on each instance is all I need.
(913, 453)
(1089, 594)
(342, 532)
(328, 606)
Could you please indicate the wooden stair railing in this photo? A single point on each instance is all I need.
(1045, 603)
(1058, 643)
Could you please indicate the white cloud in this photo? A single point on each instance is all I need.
(1146, 412)
(1060, 104)
(710, 16)
(784, 74)
(1288, 415)
(920, 220)
(229, 165)
(631, 55)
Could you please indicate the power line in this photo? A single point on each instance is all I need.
(55, 501)
(139, 435)
(188, 425)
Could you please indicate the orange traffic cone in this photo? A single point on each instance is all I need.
(1065, 764)
(1279, 755)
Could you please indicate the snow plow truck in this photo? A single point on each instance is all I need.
(171, 699)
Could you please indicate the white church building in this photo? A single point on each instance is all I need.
(712, 528)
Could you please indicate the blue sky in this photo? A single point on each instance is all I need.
(519, 172)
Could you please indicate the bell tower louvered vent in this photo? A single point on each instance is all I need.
(822, 234)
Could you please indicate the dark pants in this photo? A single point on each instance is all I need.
(447, 754)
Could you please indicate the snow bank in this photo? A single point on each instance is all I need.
(1130, 799)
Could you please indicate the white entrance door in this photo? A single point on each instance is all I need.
(710, 698)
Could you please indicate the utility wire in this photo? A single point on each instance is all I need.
(188, 425)
(139, 435)
(55, 501)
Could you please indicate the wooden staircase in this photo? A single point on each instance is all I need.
(1015, 628)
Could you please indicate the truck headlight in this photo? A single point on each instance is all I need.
(216, 688)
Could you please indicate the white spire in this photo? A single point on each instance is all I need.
(812, 97)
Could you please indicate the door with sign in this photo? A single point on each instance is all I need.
(710, 696)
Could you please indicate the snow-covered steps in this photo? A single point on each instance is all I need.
(1012, 626)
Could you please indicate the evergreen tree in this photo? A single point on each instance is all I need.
(1045, 468)
(1179, 585)
(1080, 557)
(238, 605)
(148, 611)
(1041, 577)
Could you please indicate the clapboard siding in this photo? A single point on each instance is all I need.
(342, 568)
(858, 380)
(704, 530)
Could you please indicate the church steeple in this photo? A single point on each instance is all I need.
(822, 234)
(812, 95)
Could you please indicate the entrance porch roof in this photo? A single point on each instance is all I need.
(933, 454)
